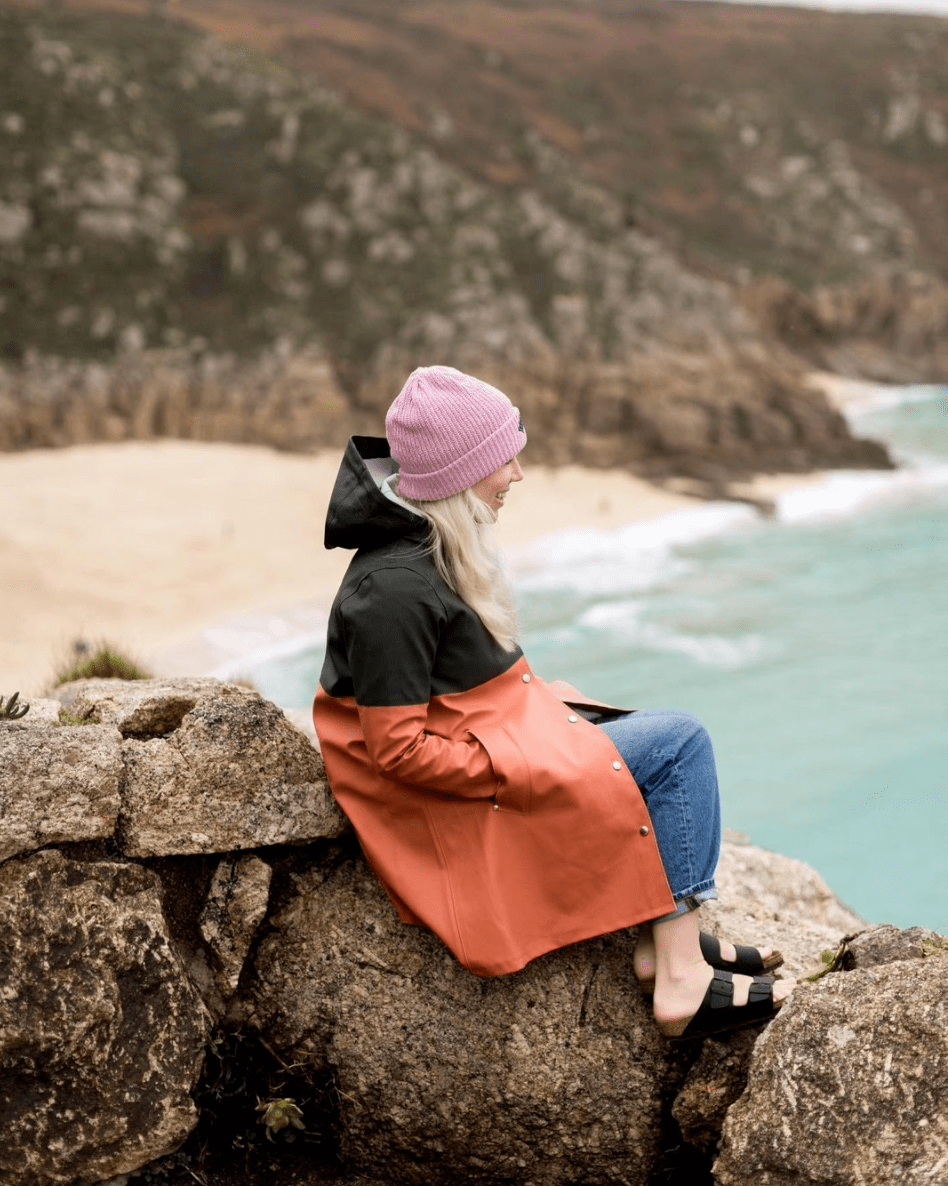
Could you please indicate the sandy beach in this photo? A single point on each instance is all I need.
(190, 555)
(185, 554)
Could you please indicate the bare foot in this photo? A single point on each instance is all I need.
(643, 959)
(678, 999)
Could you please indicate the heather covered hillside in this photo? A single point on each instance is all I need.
(806, 150)
(801, 155)
(798, 143)
(632, 217)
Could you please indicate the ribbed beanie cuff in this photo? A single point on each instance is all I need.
(448, 430)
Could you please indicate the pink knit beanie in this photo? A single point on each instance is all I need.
(447, 430)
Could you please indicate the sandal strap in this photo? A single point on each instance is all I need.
(717, 1013)
(748, 961)
(710, 948)
(721, 991)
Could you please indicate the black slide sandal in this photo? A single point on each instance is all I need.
(717, 1013)
(749, 961)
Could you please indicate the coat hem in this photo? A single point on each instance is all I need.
(558, 944)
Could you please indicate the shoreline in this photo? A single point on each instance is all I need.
(221, 556)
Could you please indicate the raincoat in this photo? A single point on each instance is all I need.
(491, 809)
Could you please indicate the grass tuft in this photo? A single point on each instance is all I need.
(102, 661)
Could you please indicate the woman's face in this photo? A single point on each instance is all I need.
(494, 487)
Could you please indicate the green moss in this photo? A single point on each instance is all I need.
(80, 713)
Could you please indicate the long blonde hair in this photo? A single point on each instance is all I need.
(466, 557)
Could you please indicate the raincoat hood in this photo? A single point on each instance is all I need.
(360, 515)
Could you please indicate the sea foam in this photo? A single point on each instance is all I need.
(851, 492)
(600, 560)
(626, 623)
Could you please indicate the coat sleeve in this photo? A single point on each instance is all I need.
(392, 625)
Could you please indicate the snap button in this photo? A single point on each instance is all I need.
(526, 678)
(643, 831)
(572, 719)
(496, 807)
(616, 765)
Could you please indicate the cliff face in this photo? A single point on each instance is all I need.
(793, 143)
(196, 239)
(893, 328)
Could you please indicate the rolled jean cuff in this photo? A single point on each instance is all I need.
(685, 903)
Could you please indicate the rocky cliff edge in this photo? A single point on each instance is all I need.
(191, 936)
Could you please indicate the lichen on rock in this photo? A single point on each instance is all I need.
(210, 767)
(101, 1033)
(848, 1086)
(57, 783)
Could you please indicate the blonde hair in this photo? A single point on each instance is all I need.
(466, 557)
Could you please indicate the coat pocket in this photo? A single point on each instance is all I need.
(510, 766)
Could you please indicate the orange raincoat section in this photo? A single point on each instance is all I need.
(495, 816)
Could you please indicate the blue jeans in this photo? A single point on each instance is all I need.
(670, 756)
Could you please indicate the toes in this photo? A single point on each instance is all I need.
(782, 989)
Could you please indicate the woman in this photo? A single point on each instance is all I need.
(502, 812)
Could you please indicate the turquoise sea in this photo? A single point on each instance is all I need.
(813, 645)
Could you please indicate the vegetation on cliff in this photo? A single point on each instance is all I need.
(275, 258)
(164, 189)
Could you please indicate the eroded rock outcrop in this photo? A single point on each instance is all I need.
(209, 768)
(555, 1074)
(849, 1085)
(891, 327)
(120, 956)
(104, 1015)
(552, 1075)
(57, 783)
